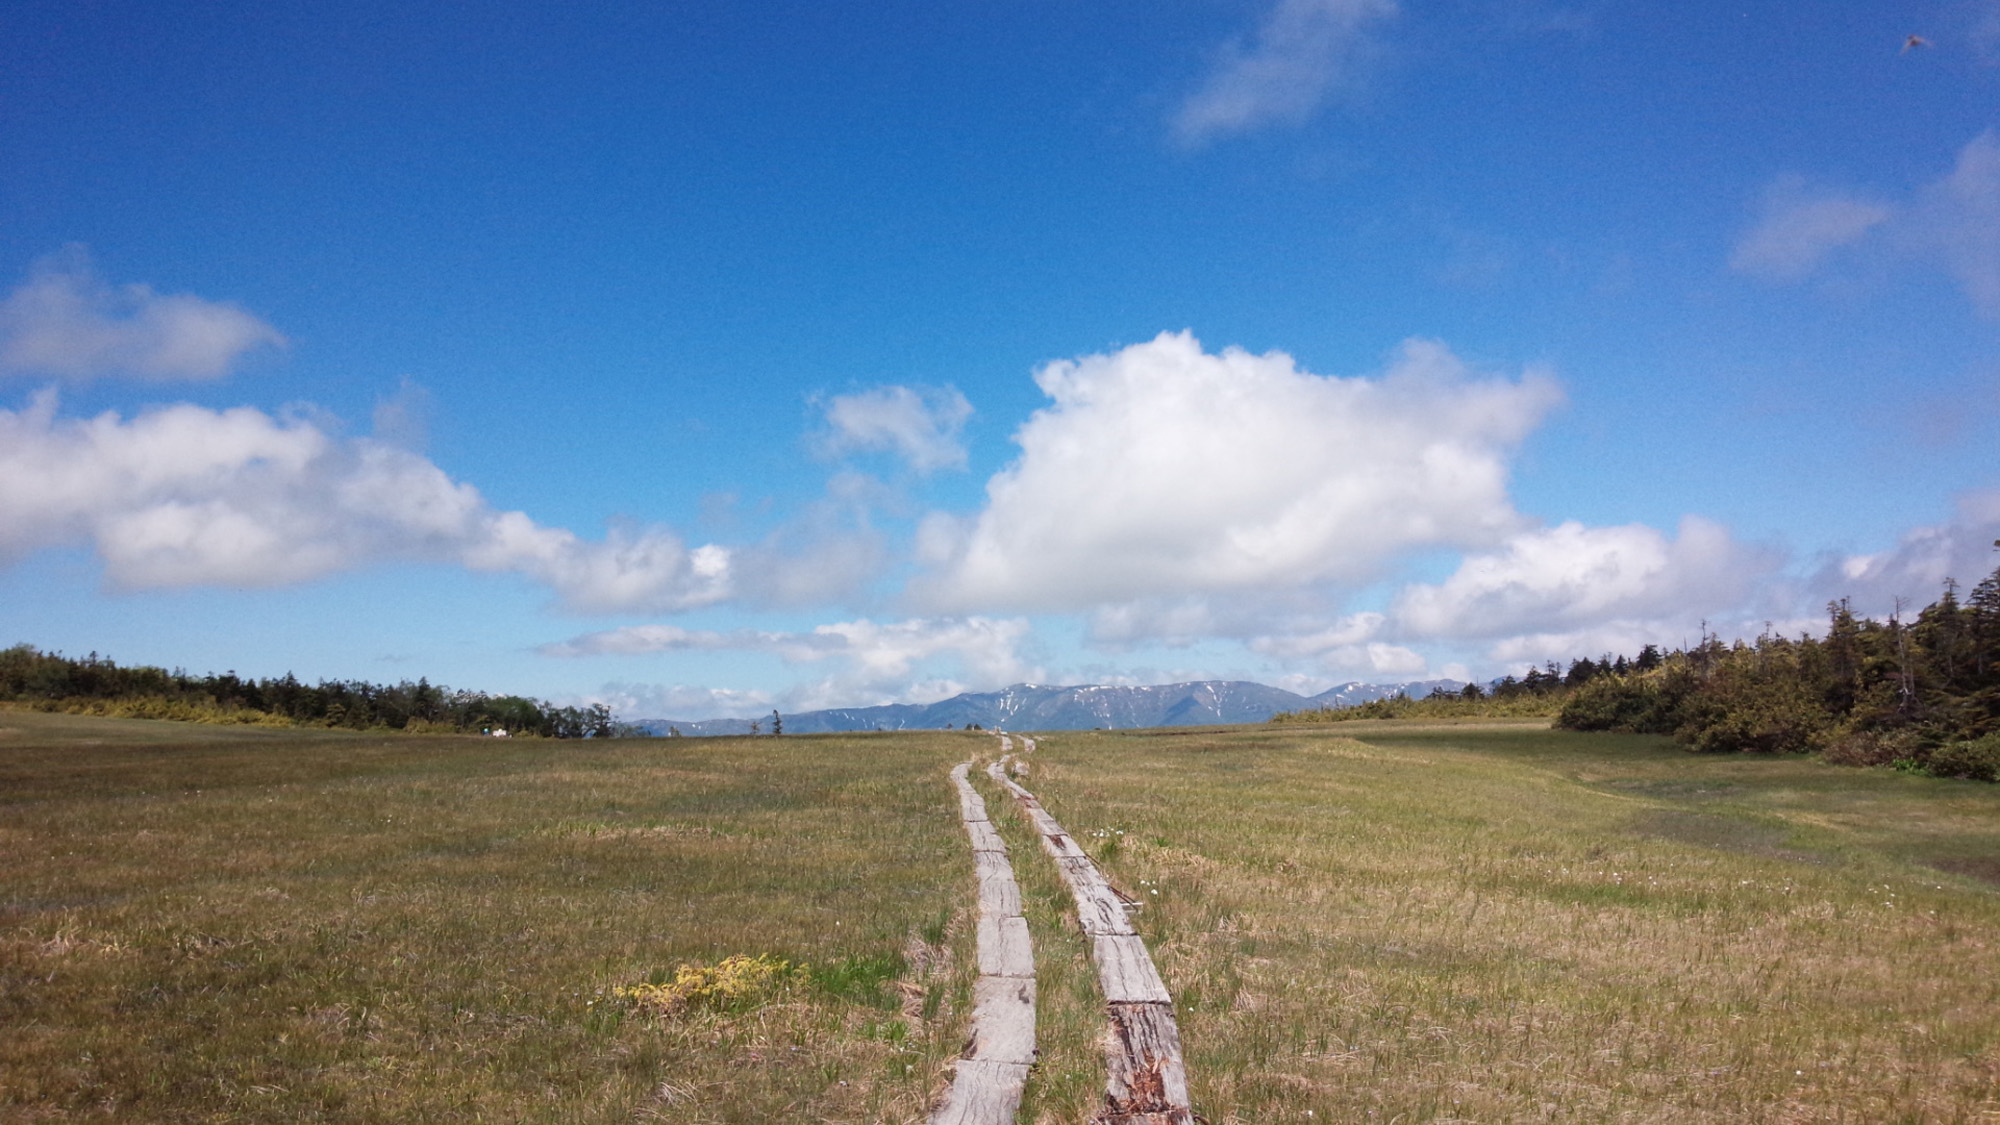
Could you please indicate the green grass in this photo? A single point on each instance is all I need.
(1369, 922)
(204, 924)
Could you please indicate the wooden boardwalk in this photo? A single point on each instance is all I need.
(987, 1081)
(1146, 1079)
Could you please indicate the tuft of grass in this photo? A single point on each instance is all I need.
(733, 984)
(865, 979)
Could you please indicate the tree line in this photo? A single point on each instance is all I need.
(96, 684)
(1922, 694)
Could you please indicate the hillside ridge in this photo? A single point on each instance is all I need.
(1068, 707)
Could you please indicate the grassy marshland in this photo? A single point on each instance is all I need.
(203, 924)
(1368, 922)
(1500, 923)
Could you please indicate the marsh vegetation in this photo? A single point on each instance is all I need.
(1367, 922)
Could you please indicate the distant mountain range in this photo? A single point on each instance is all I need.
(1084, 707)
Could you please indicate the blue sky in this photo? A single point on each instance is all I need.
(709, 359)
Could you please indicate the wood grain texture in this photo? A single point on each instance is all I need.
(1099, 910)
(1125, 970)
(1059, 845)
(1003, 1019)
(971, 808)
(1148, 1081)
(1004, 948)
(984, 838)
(999, 894)
(983, 1092)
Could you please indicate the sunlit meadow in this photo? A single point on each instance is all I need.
(1378, 922)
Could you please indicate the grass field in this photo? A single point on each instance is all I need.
(1393, 923)
(1364, 922)
(205, 924)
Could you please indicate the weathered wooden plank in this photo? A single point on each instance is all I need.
(1078, 872)
(1003, 1019)
(992, 865)
(1059, 845)
(1004, 947)
(971, 806)
(1044, 823)
(1100, 911)
(984, 838)
(998, 772)
(999, 894)
(986, 1085)
(1147, 1078)
(1125, 972)
(982, 1093)
(1146, 1081)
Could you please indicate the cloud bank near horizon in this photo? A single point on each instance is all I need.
(873, 662)
(186, 496)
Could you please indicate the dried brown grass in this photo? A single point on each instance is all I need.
(1450, 924)
(204, 924)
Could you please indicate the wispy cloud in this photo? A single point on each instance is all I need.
(1303, 53)
(1959, 216)
(1798, 228)
(186, 496)
(1952, 223)
(64, 322)
(921, 424)
(641, 640)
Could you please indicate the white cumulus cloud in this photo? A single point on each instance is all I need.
(1962, 549)
(1571, 576)
(66, 323)
(1345, 635)
(1304, 52)
(1164, 471)
(922, 424)
(184, 496)
(1799, 228)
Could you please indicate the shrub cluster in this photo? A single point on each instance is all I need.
(1924, 695)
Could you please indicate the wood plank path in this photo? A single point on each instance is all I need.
(1146, 1079)
(987, 1080)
